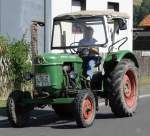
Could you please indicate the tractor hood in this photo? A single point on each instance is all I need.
(55, 59)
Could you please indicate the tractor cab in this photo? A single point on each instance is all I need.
(70, 31)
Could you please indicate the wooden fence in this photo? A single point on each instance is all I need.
(144, 64)
(5, 82)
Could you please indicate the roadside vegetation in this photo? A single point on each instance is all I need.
(2, 103)
(144, 81)
(2, 107)
(140, 11)
(14, 63)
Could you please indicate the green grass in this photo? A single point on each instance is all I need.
(144, 81)
(2, 103)
(2, 107)
(137, 2)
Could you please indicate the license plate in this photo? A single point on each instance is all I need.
(42, 80)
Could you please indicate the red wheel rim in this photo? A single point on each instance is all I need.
(129, 88)
(88, 109)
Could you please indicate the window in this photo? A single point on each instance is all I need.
(83, 4)
(63, 35)
(78, 5)
(113, 6)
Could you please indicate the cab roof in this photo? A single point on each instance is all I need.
(91, 13)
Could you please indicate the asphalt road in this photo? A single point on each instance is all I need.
(46, 123)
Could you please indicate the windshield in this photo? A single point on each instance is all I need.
(79, 32)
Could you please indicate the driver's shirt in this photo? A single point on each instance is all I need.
(89, 42)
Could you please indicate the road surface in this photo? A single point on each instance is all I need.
(46, 123)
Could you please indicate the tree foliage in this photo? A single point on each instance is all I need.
(136, 11)
(18, 53)
(15, 60)
(141, 11)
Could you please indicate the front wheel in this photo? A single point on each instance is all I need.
(85, 108)
(122, 89)
(17, 115)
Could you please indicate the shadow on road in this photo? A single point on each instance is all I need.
(72, 125)
(38, 118)
(2, 111)
(42, 117)
(65, 126)
(48, 118)
(105, 116)
(3, 118)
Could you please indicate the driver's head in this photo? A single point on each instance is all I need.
(88, 32)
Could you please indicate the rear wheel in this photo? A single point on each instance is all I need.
(85, 108)
(122, 89)
(17, 115)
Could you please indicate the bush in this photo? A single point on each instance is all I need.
(5, 83)
(18, 54)
(3, 46)
(15, 61)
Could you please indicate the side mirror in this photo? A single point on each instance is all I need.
(122, 24)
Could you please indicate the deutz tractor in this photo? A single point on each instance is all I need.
(60, 76)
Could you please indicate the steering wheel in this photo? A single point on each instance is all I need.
(74, 50)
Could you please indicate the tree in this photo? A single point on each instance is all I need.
(141, 11)
(136, 11)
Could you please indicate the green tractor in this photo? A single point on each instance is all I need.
(60, 77)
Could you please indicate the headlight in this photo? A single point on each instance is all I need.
(72, 75)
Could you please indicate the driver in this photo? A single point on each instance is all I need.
(88, 40)
(91, 58)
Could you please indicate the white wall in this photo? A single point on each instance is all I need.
(127, 7)
(16, 15)
(96, 4)
(60, 7)
(124, 6)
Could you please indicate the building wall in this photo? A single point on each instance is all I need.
(124, 6)
(32, 10)
(57, 7)
(10, 18)
(66, 6)
(17, 15)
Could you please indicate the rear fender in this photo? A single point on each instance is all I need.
(112, 59)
